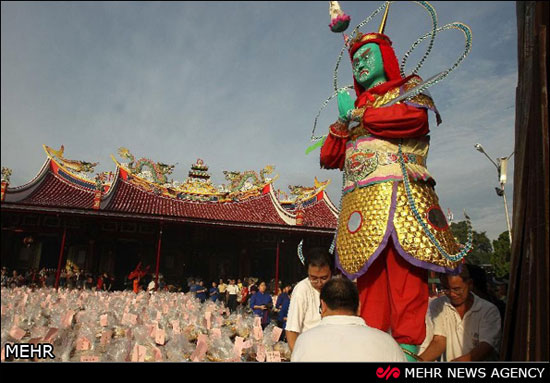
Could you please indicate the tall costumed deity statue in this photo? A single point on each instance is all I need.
(391, 229)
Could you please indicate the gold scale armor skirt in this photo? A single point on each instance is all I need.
(378, 225)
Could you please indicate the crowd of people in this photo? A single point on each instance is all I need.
(68, 278)
(249, 294)
(463, 322)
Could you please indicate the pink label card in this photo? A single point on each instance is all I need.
(276, 334)
(258, 333)
(17, 333)
(138, 353)
(130, 319)
(260, 353)
(200, 351)
(82, 344)
(160, 336)
(203, 338)
(239, 341)
(238, 347)
(106, 337)
(176, 326)
(89, 358)
(103, 320)
(67, 319)
(273, 356)
(216, 333)
(158, 354)
(257, 322)
(145, 317)
(152, 330)
(208, 316)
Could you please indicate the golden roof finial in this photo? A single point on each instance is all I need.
(384, 19)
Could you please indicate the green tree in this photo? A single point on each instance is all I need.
(482, 250)
(501, 256)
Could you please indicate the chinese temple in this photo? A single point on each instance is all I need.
(67, 216)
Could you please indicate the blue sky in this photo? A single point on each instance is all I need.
(238, 84)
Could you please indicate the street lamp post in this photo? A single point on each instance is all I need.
(502, 167)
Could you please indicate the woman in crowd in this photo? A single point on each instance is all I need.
(261, 304)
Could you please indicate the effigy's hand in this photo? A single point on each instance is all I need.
(345, 105)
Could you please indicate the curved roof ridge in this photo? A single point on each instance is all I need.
(43, 170)
(289, 218)
(334, 210)
(107, 197)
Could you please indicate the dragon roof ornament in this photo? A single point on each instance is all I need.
(197, 186)
(301, 194)
(77, 168)
(6, 174)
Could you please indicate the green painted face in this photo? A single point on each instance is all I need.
(368, 67)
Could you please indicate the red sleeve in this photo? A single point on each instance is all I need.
(333, 151)
(397, 121)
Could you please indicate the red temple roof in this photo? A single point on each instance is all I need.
(129, 198)
(56, 188)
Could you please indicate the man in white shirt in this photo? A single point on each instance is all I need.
(465, 326)
(342, 335)
(303, 312)
(232, 292)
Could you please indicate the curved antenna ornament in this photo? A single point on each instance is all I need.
(434, 80)
(431, 10)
